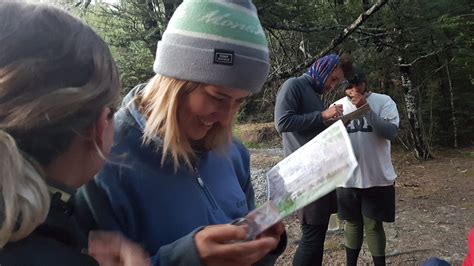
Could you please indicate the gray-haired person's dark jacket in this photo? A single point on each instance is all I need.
(298, 119)
(57, 241)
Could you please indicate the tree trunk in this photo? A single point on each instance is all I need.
(151, 27)
(170, 7)
(451, 96)
(422, 151)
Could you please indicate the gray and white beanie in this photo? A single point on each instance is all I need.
(218, 42)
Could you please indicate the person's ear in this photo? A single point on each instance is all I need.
(101, 127)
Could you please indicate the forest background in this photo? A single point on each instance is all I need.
(419, 52)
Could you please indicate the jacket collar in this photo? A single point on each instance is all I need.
(60, 223)
(129, 103)
(63, 192)
(310, 81)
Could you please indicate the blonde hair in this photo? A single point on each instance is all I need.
(56, 77)
(23, 194)
(159, 102)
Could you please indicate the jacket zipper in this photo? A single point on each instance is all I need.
(205, 189)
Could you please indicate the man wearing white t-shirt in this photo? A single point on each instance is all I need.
(367, 199)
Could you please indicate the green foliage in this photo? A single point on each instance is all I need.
(132, 29)
(426, 33)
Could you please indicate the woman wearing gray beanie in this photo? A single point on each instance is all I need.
(183, 179)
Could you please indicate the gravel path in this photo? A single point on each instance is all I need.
(434, 210)
(261, 163)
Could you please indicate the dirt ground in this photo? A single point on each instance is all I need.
(434, 210)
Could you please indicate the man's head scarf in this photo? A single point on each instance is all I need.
(321, 69)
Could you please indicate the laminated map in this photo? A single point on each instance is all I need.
(309, 173)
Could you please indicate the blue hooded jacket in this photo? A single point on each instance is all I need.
(152, 204)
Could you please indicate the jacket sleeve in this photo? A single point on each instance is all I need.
(184, 252)
(181, 252)
(246, 183)
(94, 211)
(273, 255)
(104, 207)
(385, 124)
(287, 118)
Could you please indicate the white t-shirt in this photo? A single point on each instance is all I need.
(372, 151)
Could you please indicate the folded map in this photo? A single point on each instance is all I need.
(309, 173)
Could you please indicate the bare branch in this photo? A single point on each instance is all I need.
(335, 42)
(351, 28)
(86, 4)
(429, 76)
(423, 57)
(298, 28)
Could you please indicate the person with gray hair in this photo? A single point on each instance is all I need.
(184, 179)
(59, 87)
